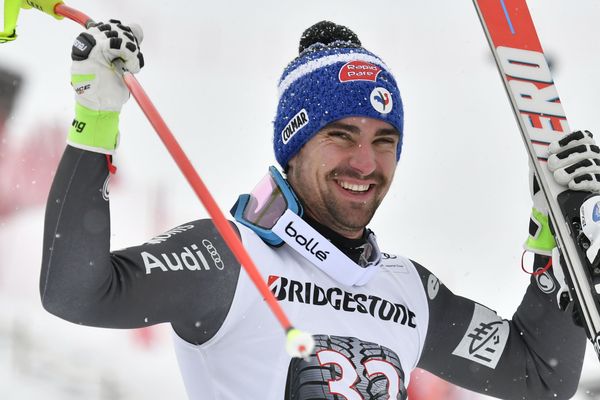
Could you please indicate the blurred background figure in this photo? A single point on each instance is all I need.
(27, 164)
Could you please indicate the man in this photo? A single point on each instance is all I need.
(375, 316)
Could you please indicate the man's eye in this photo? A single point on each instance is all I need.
(386, 140)
(339, 134)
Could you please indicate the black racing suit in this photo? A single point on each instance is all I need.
(84, 282)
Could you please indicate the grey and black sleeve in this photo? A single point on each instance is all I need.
(536, 355)
(186, 277)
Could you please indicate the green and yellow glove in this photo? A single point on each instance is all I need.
(99, 90)
(540, 239)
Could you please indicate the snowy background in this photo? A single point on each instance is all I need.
(459, 204)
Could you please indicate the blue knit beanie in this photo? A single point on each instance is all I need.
(332, 78)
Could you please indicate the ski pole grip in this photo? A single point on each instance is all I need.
(46, 6)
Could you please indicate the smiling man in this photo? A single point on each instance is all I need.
(375, 315)
(344, 172)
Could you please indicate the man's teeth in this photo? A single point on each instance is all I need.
(354, 187)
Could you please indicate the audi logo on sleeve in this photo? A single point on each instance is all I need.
(214, 253)
(190, 258)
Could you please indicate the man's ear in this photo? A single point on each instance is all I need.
(291, 164)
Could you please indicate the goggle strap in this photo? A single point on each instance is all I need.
(321, 252)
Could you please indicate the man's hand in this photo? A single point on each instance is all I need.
(99, 90)
(575, 161)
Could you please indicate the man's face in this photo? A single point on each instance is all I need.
(343, 173)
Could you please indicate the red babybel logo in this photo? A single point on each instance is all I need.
(359, 71)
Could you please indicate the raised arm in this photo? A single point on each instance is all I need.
(172, 278)
(539, 353)
(536, 355)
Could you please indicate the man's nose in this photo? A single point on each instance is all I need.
(363, 159)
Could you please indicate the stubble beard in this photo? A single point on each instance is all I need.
(352, 216)
(343, 216)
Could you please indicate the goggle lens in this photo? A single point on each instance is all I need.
(266, 204)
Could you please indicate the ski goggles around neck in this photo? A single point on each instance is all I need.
(265, 205)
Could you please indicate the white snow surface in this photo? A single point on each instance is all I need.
(459, 204)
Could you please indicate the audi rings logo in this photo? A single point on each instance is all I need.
(216, 257)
